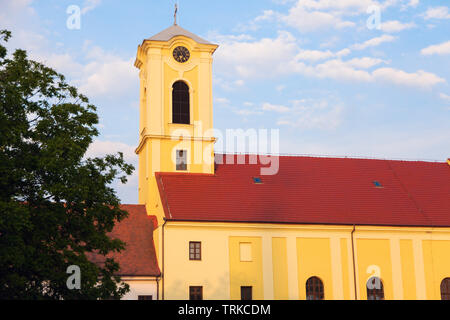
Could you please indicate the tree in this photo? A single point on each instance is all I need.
(56, 205)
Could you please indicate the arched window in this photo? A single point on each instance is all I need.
(180, 103)
(445, 289)
(375, 290)
(314, 289)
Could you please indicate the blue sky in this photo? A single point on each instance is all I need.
(311, 68)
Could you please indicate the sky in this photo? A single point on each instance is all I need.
(356, 78)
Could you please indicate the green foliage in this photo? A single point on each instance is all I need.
(56, 206)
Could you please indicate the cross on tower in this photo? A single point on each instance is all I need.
(175, 14)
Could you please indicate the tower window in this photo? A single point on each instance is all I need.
(375, 290)
(180, 103)
(314, 289)
(181, 160)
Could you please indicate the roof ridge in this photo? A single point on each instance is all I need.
(175, 30)
(324, 156)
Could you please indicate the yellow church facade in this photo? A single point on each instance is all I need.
(411, 262)
(320, 228)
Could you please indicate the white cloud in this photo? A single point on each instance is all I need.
(338, 70)
(12, 11)
(343, 52)
(313, 114)
(354, 70)
(283, 2)
(311, 15)
(90, 5)
(316, 55)
(439, 49)
(21, 19)
(248, 108)
(374, 42)
(409, 4)
(100, 74)
(267, 15)
(364, 63)
(100, 148)
(108, 76)
(246, 112)
(104, 74)
(420, 79)
(437, 13)
(272, 107)
(444, 96)
(228, 84)
(330, 42)
(251, 58)
(341, 5)
(306, 21)
(280, 87)
(222, 100)
(255, 24)
(396, 26)
(413, 3)
(226, 38)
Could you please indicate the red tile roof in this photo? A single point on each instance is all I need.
(139, 257)
(311, 190)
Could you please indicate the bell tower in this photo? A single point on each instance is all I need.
(176, 109)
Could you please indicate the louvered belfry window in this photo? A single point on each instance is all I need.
(180, 103)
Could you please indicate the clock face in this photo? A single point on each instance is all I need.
(181, 54)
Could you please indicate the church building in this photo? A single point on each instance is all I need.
(320, 228)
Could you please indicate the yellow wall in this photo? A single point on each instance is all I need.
(437, 267)
(246, 273)
(347, 270)
(314, 259)
(280, 269)
(285, 256)
(408, 272)
(212, 272)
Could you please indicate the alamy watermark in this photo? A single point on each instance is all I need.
(250, 146)
(374, 278)
(74, 280)
(374, 20)
(73, 21)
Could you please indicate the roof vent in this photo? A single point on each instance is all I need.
(257, 180)
(377, 184)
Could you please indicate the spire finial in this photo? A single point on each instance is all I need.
(175, 14)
